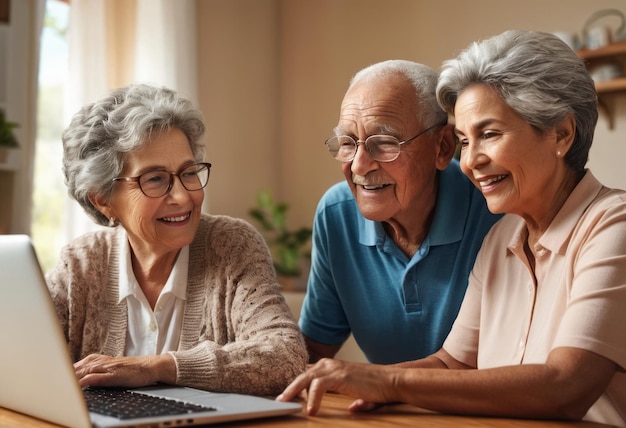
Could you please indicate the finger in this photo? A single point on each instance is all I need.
(89, 360)
(97, 379)
(294, 388)
(84, 370)
(362, 406)
(92, 370)
(78, 365)
(87, 380)
(314, 396)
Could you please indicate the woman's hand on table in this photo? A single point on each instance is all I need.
(106, 371)
(367, 382)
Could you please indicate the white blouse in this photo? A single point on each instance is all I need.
(152, 332)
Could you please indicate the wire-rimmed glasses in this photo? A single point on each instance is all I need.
(382, 148)
(157, 183)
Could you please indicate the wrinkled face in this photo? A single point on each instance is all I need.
(164, 224)
(510, 161)
(386, 191)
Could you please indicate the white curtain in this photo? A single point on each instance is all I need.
(20, 57)
(87, 72)
(165, 54)
(165, 46)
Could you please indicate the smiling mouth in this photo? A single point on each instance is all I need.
(175, 219)
(490, 181)
(374, 187)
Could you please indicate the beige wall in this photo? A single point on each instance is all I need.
(273, 73)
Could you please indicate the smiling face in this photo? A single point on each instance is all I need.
(156, 226)
(390, 191)
(518, 169)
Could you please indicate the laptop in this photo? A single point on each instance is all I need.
(37, 375)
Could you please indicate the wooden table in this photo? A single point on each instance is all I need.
(334, 414)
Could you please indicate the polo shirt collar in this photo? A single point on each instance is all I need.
(556, 237)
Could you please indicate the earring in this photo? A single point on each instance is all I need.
(112, 222)
(558, 153)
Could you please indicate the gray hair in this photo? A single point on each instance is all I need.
(101, 134)
(537, 75)
(423, 79)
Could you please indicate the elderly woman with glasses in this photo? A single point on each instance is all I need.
(164, 294)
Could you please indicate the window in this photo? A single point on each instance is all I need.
(49, 189)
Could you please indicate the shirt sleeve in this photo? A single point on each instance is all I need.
(462, 341)
(595, 318)
(322, 318)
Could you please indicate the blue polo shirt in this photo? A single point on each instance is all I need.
(397, 308)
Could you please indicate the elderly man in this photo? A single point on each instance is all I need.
(393, 245)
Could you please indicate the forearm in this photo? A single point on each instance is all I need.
(439, 360)
(163, 368)
(430, 362)
(554, 390)
(259, 368)
(513, 391)
(317, 350)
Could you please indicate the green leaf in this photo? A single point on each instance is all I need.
(288, 247)
(7, 139)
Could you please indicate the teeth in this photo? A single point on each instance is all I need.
(173, 219)
(492, 180)
(380, 186)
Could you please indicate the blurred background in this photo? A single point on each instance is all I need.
(268, 75)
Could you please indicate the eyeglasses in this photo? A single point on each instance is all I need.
(382, 148)
(157, 183)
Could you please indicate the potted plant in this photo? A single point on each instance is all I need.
(288, 247)
(7, 139)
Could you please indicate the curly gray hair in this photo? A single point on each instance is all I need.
(102, 133)
(537, 75)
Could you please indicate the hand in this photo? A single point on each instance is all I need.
(368, 382)
(103, 370)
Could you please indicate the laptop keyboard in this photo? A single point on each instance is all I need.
(126, 404)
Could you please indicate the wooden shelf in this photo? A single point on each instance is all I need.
(612, 53)
(613, 85)
(612, 50)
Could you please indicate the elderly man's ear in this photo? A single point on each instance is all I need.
(445, 146)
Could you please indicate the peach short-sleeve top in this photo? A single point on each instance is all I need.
(577, 297)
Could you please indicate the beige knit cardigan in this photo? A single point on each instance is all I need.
(238, 334)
